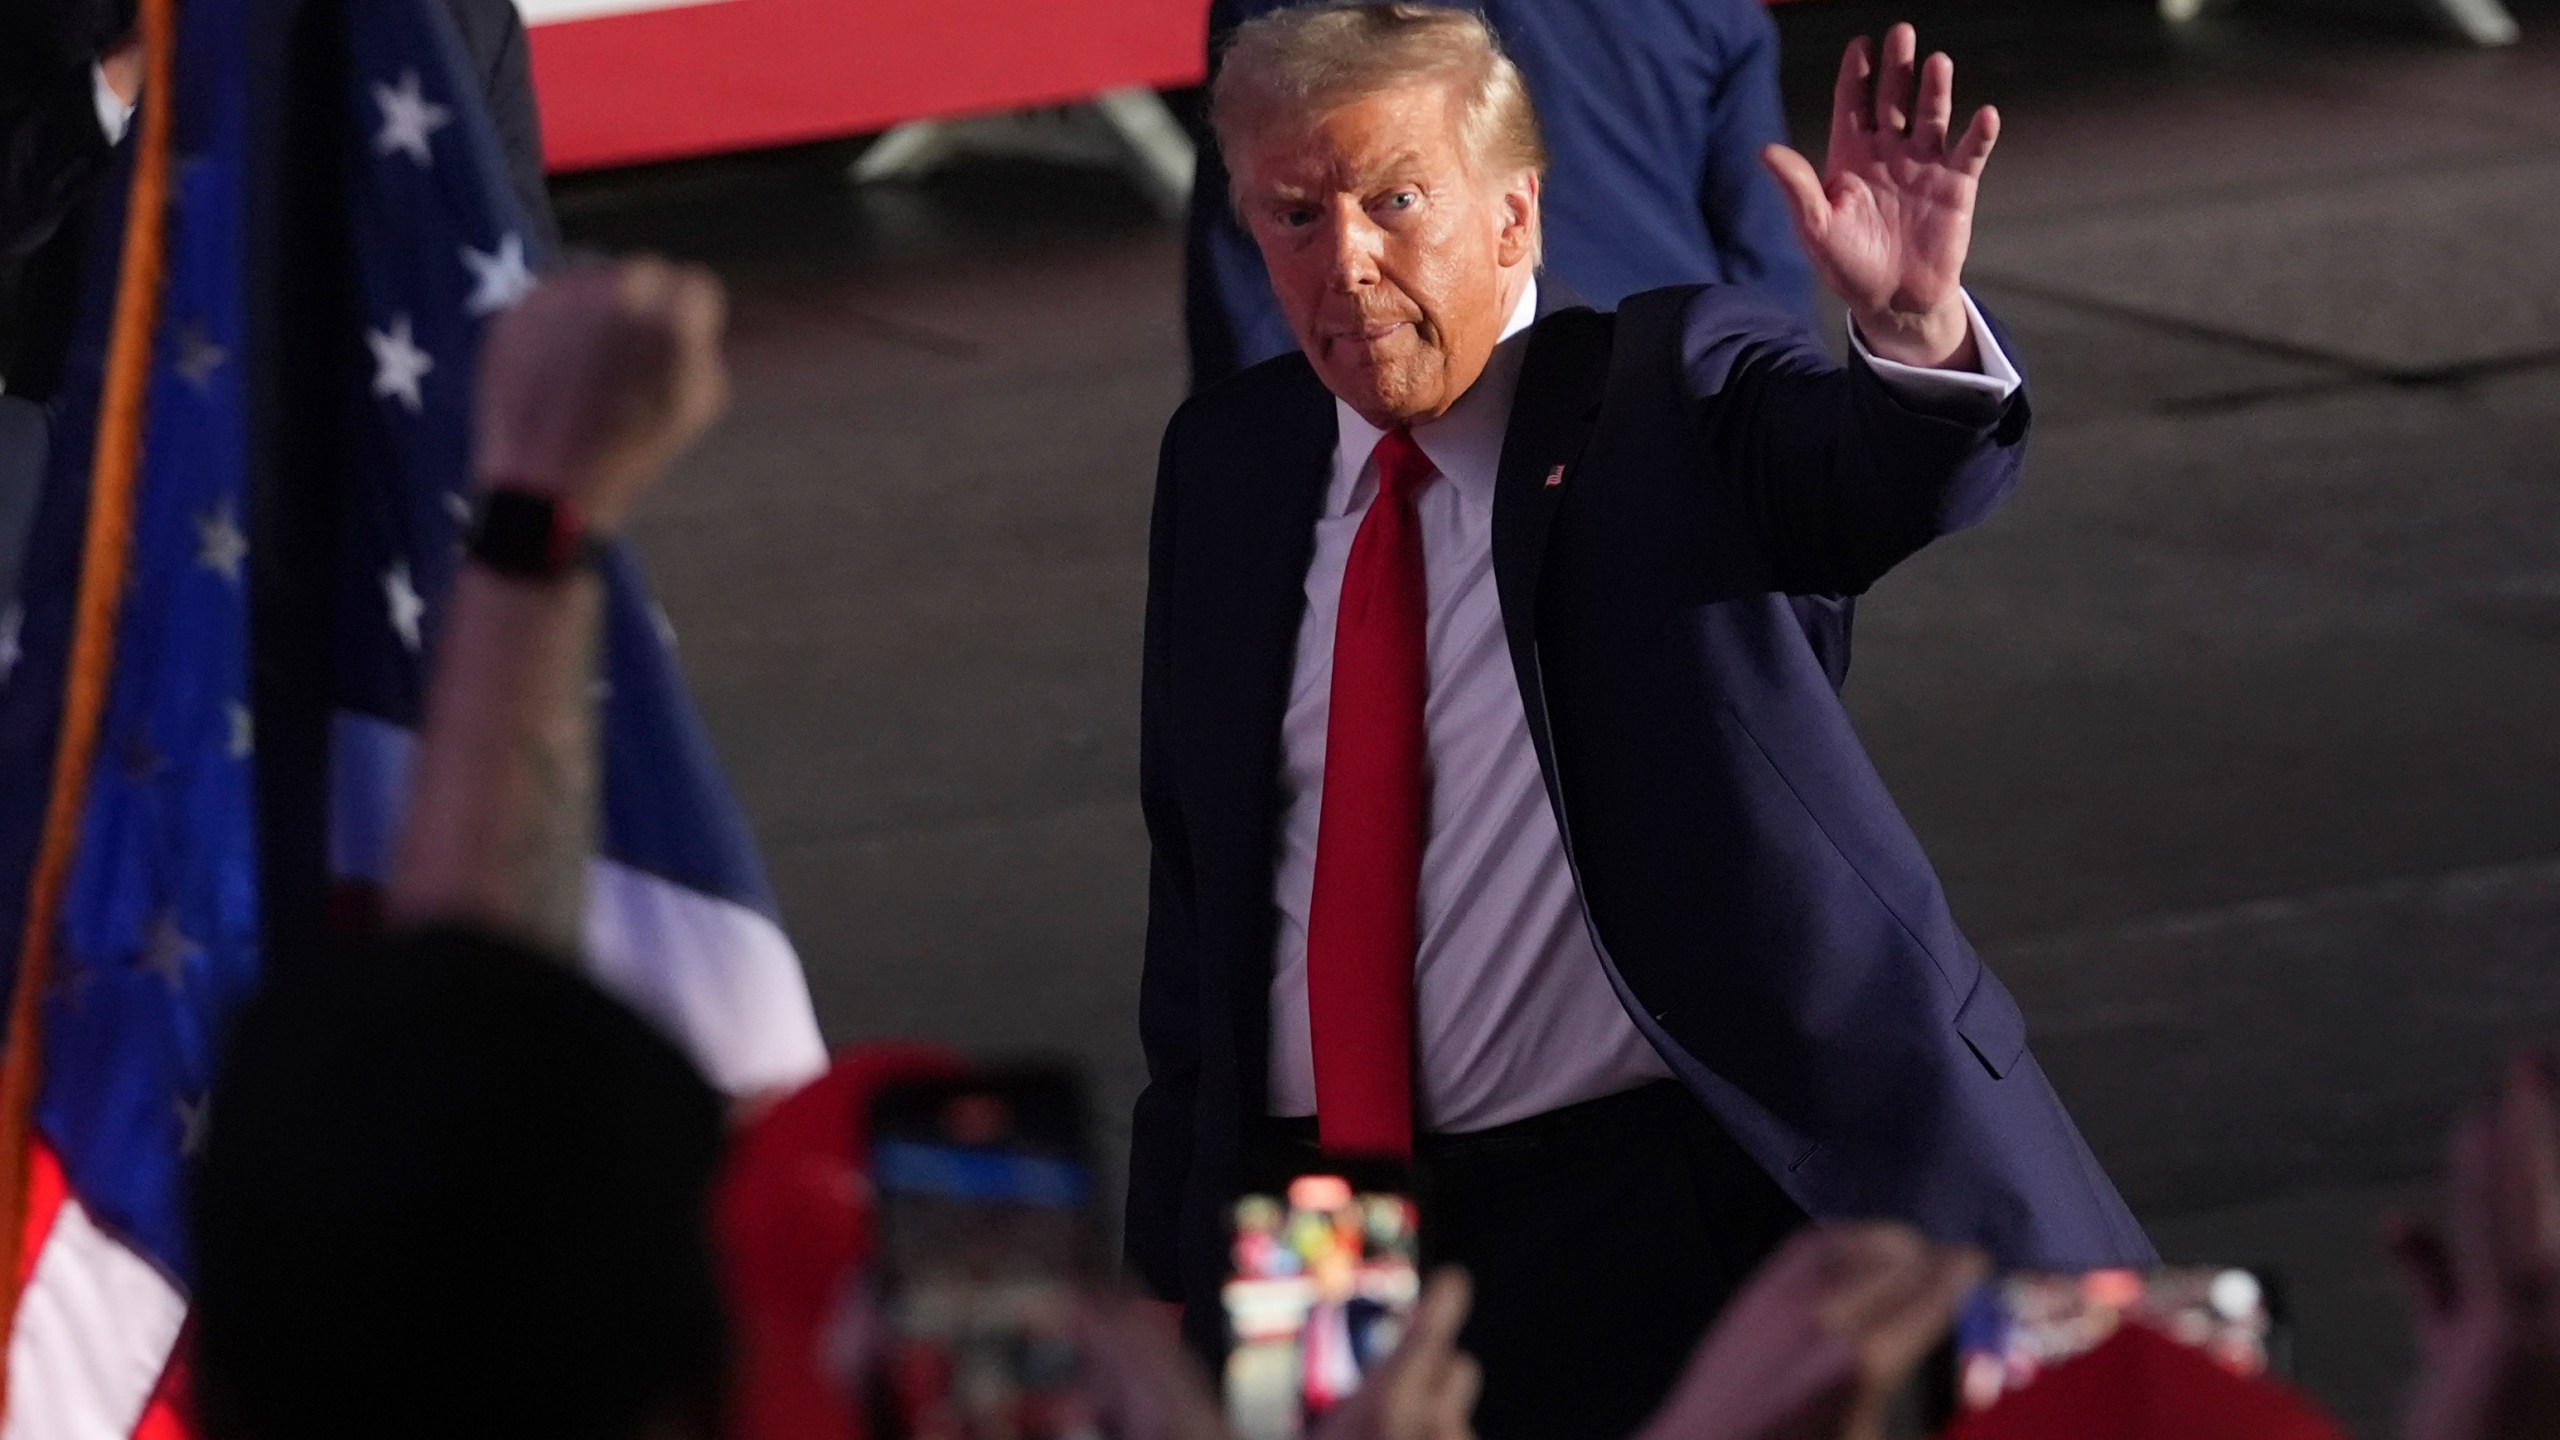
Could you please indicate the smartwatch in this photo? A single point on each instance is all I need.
(530, 536)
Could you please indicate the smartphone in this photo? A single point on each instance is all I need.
(2018, 1326)
(1325, 1265)
(987, 1235)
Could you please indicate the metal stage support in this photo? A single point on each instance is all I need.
(2482, 22)
(1129, 130)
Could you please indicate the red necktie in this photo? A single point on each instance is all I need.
(1361, 924)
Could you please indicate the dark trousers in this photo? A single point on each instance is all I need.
(1602, 1239)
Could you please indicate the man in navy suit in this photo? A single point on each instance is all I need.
(1503, 809)
(1655, 111)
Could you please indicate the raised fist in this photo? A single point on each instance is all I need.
(598, 378)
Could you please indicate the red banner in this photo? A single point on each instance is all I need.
(621, 84)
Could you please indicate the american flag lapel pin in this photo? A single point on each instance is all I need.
(1555, 478)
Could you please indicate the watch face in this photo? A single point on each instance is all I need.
(522, 533)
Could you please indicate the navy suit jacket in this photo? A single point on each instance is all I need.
(1655, 113)
(1762, 909)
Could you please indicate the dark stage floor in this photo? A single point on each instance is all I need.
(2237, 736)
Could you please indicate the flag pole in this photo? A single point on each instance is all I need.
(105, 550)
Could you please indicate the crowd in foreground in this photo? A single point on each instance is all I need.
(454, 1189)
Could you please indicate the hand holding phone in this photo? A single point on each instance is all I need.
(2017, 1327)
(986, 1256)
(1133, 1377)
(1822, 1339)
(1145, 1386)
(1427, 1389)
(1326, 1267)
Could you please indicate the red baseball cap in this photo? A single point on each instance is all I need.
(2142, 1385)
(792, 1222)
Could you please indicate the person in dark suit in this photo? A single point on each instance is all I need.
(1503, 809)
(1655, 111)
(493, 36)
(70, 74)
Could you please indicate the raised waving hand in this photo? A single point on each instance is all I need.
(1889, 217)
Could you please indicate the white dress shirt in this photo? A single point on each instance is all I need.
(114, 116)
(1514, 1015)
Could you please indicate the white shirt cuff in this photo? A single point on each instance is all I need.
(114, 116)
(1992, 385)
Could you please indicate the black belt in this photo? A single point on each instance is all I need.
(1645, 1114)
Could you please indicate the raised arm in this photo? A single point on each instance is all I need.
(2485, 1288)
(1838, 472)
(1822, 1339)
(587, 389)
(1841, 472)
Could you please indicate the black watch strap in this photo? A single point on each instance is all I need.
(529, 535)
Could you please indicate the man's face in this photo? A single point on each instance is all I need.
(1395, 261)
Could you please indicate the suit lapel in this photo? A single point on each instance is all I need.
(1562, 381)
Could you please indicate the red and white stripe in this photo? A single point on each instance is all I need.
(722, 980)
(97, 1328)
(93, 1353)
(631, 80)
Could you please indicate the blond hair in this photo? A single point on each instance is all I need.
(1295, 64)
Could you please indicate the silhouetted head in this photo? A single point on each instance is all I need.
(452, 1189)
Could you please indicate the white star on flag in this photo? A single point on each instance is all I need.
(165, 954)
(199, 357)
(406, 608)
(244, 729)
(10, 654)
(498, 279)
(398, 364)
(408, 118)
(220, 545)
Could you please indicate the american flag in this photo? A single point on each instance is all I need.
(160, 931)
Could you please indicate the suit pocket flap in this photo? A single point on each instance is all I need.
(1991, 1023)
